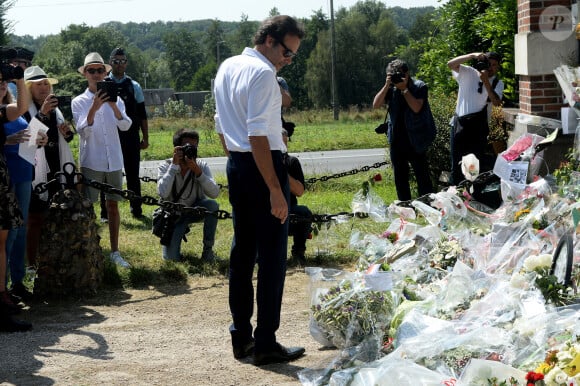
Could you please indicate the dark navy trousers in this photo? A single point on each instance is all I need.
(259, 238)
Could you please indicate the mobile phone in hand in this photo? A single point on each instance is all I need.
(110, 88)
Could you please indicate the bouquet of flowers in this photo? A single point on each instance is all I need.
(561, 367)
(445, 253)
(348, 313)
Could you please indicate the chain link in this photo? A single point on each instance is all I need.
(73, 178)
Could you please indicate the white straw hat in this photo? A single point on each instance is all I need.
(93, 58)
(36, 74)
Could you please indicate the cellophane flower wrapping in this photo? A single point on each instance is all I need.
(368, 201)
(345, 312)
(479, 372)
(390, 371)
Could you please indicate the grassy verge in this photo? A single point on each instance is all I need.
(315, 131)
(330, 247)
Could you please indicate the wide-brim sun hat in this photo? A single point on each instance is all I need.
(36, 74)
(94, 58)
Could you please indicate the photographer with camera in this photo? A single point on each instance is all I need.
(12, 219)
(479, 87)
(411, 128)
(44, 105)
(187, 177)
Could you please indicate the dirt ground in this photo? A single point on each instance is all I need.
(174, 335)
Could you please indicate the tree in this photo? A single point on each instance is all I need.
(5, 25)
(184, 56)
(366, 37)
(464, 26)
(243, 35)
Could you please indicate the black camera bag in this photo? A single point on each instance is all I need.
(164, 220)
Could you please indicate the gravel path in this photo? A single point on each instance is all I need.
(171, 335)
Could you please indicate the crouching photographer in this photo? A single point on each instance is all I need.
(479, 87)
(187, 180)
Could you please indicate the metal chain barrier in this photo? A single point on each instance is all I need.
(73, 178)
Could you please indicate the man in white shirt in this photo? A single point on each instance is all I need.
(479, 87)
(101, 159)
(248, 103)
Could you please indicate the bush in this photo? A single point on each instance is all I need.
(175, 109)
(439, 155)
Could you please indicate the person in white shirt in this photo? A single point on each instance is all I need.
(248, 103)
(479, 87)
(101, 159)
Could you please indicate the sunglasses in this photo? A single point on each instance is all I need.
(288, 53)
(95, 70)
(119, 61)
(480, 87)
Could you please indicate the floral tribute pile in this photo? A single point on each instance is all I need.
(452, 295)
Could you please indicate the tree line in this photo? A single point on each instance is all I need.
(368, 35)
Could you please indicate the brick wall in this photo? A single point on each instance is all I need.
(539, 94)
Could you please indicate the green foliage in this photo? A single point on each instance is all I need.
(442, 107)
(175, 109)
(203, 77)
(184, 57)
(208, 109)
(464, 26)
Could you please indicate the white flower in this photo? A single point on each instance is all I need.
(519, 281)
(470, 167)
(555, 377)
(537, 261)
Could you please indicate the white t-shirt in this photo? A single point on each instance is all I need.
(248, 101)
(468, 99)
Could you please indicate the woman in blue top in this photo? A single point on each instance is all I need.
(20, 171)
(10, 215)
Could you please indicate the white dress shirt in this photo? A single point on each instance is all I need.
(99, 146)
(248, 101)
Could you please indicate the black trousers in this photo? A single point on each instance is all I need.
(403, 157)
(471, 138)
(259, 238)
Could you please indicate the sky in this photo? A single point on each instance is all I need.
(46, 17)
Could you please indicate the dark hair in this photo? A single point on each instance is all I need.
(118, 51)
(181, 134)
(278, 27)
(494, 56)
(397, 65)
(23, 53)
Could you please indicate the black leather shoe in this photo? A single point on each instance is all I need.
(243, 351)
(279, 354)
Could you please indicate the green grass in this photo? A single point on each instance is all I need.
(330, 247)
(315, 131)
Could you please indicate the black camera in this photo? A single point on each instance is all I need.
(481, 65)
(189, 151)
(64, 101)
(397, 77)
(7, 70)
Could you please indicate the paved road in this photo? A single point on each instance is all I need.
(313, 163)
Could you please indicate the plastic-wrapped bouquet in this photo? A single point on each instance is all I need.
(349, 312)
(445, 253)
